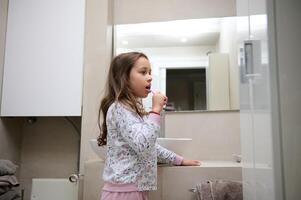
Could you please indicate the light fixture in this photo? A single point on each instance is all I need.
(183, 40)
(124, 42)
(188, 28)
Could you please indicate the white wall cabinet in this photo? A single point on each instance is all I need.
(43, 62)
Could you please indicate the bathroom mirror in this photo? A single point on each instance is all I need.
(194, 61)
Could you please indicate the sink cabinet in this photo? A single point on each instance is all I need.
(174, 182)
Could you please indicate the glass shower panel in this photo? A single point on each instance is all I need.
(255, 118)
(261, 105)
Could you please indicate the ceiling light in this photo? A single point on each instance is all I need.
(187, 28)
(124, 42)
(183, 40)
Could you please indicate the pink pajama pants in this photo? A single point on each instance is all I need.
(106, 195)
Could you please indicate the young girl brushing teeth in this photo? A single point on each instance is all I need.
(130, 132)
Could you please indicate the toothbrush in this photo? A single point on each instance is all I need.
(165, 99)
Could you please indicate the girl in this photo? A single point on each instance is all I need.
(130, 132)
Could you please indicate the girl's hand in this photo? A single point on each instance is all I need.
(159, 100)
(191, 162)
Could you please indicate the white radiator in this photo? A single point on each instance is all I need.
(50, 189)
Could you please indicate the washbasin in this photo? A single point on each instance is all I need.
(99, 150)
(177, 145)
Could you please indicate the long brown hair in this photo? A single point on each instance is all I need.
(117, 89)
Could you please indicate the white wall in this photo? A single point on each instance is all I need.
(228, 44)
(97, 58)
(138, 11)
(10, 129)
(217, 82)
(3, 23)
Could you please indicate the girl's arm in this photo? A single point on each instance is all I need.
(166, 156)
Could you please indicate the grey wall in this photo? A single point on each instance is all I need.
(50, 148)
(11, 139)
(286, 31)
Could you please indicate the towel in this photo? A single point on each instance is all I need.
(11, 195)
(219, 190)
(4, 189)
(7, 167)
(9, 180)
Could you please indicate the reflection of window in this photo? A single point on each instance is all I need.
(186, 89)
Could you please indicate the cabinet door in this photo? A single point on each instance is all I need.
(43, 67)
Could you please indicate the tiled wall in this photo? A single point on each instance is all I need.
(215, 134)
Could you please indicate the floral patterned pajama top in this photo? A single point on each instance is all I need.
(132, 151)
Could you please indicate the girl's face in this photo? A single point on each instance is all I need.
(140, 78)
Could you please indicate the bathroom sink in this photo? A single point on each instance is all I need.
(177, 145)
(99, 150)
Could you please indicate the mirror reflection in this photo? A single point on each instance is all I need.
(193, 61)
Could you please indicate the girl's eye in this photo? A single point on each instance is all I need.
(145, 72)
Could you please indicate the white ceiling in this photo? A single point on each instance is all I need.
(195, 32)
(144, 41)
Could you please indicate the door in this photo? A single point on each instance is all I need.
(255, 105)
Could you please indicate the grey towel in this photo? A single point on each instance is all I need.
(9, 180)
(4, 189)
(11, 195)
(7, 167)
(219, 190)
